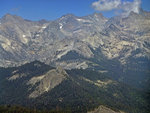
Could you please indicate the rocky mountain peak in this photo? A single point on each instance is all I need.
(67, 16)
(141, 14)
(100, 15)
(46, 82)
(96, 16)
(8, 15)
(133, 14)
(11, 18)
(144, 13)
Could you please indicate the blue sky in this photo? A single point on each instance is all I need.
(53, 9)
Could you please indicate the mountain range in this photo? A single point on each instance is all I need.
(89, 60)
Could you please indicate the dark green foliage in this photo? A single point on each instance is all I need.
(16, 91)
(128, 98)
(19, 109)
(73, 95)
(136, 73)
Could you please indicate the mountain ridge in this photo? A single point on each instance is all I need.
(90, 42)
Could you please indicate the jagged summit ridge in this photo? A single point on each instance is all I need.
(48, 41)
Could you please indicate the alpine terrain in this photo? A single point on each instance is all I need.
(88, 64)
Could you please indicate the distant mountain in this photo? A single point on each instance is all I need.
(119, 45)
(24, 41)
(43, 87)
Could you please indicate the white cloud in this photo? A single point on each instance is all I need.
(126, 7)
(106, 5)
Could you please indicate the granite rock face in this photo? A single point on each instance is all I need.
(49, 41)
(46, 82)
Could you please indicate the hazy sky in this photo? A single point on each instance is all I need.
(52, 9)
